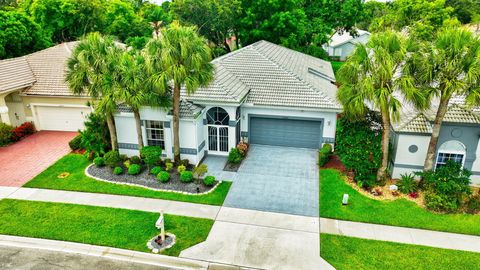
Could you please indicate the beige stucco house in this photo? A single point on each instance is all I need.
(33, 89)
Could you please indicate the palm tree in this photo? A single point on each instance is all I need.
(133, 88)
(180, 58)
(90, 70)
(444, 68)
(370, 78)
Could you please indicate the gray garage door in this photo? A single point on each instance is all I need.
(285, 132)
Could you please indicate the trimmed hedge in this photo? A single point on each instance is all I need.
(324, 154)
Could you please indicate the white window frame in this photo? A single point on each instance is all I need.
(149, 129)
(463, 153)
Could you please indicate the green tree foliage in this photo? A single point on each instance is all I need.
(122, 21)
(358, 145)
(19, 35)
(371, 11)
(464, 10)
(95, 136)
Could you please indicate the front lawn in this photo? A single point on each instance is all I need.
(120, 228)
(354, 253)
(400, 212)
(77, 181)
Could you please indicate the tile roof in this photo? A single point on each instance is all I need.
(187, 109)
(15, 74)
(271, 75)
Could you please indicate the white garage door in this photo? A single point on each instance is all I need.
(61, 118)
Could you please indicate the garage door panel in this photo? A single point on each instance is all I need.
(62, 118)
(285, 132)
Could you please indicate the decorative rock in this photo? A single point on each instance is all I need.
(393, 187)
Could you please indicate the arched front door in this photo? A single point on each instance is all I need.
(217, 124)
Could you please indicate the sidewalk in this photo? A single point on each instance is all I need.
(401, 235)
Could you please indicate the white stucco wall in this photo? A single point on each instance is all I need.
(231, 110)
(404, 158)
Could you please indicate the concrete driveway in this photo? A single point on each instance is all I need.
(23, 160)
(277, 179)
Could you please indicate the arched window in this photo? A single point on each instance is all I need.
(217, 116)
(451, 150)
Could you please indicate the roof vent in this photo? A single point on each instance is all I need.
(321, 75)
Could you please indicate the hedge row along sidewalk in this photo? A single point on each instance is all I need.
(400, 212)
(75, 164)
(119, 228)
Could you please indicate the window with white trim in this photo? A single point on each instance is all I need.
(155, 133)
(442, 158)
(451, 150)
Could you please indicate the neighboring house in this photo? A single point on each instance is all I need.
(262, 94)
(342, 44)
(33, 88)
(458, 141)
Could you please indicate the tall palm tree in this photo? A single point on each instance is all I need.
(133, 88)
(444, 68)
(370, 78)
(181, 58)
(90, 70)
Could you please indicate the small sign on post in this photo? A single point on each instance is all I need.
(160, 224)
(345, 199)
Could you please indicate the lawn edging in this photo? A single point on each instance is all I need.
(154, 189)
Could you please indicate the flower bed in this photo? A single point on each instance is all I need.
(236, 156)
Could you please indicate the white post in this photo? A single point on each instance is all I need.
(162, 229)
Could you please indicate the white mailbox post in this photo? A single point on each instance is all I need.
(160, 224)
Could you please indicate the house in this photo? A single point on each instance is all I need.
(33, 89)
(342, 44)
(459, 138)
(262, 94)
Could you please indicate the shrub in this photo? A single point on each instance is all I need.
(76, 143)
(181, 169)
(472, 205)
(324, 154)
(184, 162)
(134, 169)
(6, 134)
(151, 155)
(209, 181)
(242, 148)
(186, 176)
(135, 160)
(200, 170)
(447, 187)
(23, 130)
(163, 177)
(156, 170)
(96, 137)
(99, 161)
(234, 156)
(168, 166)
(112, 159)
(407, 183)
(117, 170)
(358, 145)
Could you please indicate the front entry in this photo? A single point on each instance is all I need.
(217, 123)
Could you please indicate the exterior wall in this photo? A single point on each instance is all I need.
(344, 50)
(329, 119)
(405, 159)
(231, 110)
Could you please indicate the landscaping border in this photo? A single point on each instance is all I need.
(154, 189)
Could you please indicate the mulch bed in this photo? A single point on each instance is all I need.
(147, 180)
(335, 163)
(230, 167)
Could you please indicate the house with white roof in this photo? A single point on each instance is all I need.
(261, 94)
(459, 138)
(342, 43)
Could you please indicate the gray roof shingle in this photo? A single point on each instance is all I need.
(15, 74)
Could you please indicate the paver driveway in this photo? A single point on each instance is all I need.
(277, 179)
(21, 161)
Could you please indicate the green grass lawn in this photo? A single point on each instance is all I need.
(354, 253)
(120, 228)
(400, 212)
(77, 181)
(336, 66)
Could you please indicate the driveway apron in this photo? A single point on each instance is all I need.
(277, 179)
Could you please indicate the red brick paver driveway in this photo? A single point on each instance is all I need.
(22, 160)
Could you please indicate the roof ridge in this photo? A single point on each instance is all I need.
(236, 77)
(409, 121)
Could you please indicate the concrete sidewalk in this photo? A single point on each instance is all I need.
(401, 235)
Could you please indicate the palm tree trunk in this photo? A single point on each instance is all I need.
(437, 125)
(138, 125)
(382, 171)
(176, 123)
(112, 130)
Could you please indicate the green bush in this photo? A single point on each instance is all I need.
(99, 161)
(186, 176)
(209, 181)
(185, 162)
(163, 177)
(6, 134)
(234, 156)
(134, 169)
(96, 137)
(447, 188)
(324, 154)
(76, 143)
(156, 170)
(181, 169)
(407, 183)
(117, 170)
(200, 170)
(112, 159)
(472, 206)
(168, 166)
(358, 145)
(135, 160)
(151, 155)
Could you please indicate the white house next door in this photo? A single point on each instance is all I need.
(217, 139)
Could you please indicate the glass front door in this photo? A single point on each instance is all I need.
(217, 139)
